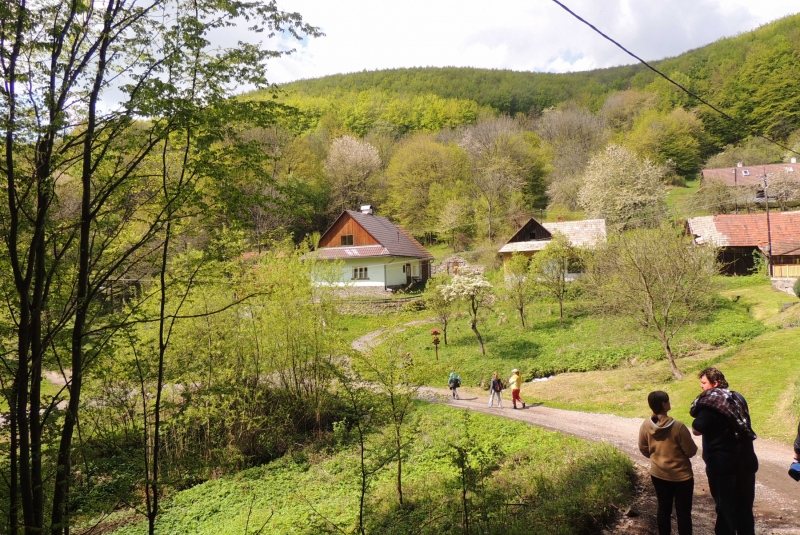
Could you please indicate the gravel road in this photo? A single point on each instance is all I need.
(777, 507)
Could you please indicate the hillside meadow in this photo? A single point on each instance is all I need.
(521, 480)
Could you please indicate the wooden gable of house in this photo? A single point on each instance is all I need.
(531, 231)
(346, 227)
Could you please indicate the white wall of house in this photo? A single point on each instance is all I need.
(377, 271)
(396, 271)
(363, 272)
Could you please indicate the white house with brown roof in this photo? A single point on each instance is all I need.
(534, 236)
(374, 251)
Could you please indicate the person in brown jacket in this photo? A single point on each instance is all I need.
(669, 445)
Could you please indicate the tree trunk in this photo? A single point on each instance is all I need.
(399, 446)
(474, 325)
(522, 315)
(676, 373)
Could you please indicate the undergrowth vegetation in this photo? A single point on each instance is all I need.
(498, 476)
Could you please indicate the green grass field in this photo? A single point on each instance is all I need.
(609, 365)
(546, 346)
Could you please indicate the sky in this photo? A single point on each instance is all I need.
(521, 35)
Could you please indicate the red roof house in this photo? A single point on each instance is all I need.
(740, 236)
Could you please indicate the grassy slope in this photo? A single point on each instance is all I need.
(620, 364)
(571, 482)
(763, 368)
(582, 343)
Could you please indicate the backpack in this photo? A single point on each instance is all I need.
(455, 383)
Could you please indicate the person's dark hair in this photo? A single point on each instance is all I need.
(714, 376)
(656, 401)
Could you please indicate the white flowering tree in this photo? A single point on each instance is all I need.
(476, 291)
(350, 165)
(623, 189)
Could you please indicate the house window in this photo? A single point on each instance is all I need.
(347, 239)
(360, 273)
(745, 172)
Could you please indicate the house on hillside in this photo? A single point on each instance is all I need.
(752, 176)
(740, 236)
(375, 252)
(534, 236)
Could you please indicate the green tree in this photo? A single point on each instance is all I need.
(549, 268)
(387, 369)
(80, 210)
(440, 303)
(519, 283)
(677, 137)
(505, 162)
(414, 168)
(659, 278)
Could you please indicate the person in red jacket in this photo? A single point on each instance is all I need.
(669, 446)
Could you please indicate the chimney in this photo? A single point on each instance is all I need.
(366, 209)
(739, 164)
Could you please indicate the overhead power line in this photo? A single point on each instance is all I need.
(676, 84)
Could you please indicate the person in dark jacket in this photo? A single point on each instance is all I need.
(722, 417)
(797, 445)
(669, 446)
(454, 381)
(495, 387)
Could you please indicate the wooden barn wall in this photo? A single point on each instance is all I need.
(346, 225)
(532, 230)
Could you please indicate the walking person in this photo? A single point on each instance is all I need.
(495, 387)
(515, 382)
(669, 446)
(454, 381)
(722, 417)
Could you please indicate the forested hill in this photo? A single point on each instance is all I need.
(506, 91)
(750, 75)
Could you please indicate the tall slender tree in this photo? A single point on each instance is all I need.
(79, 78)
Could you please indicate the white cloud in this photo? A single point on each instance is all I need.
(509, 34)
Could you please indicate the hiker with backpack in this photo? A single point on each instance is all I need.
(495, 387)
(454, 381)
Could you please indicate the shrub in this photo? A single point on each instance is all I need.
(796, 287)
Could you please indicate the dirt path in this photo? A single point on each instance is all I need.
(777, 507)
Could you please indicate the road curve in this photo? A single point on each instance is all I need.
(777, 507)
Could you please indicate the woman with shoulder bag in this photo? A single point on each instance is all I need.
(495, 387)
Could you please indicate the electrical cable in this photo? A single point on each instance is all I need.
(673, 82)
